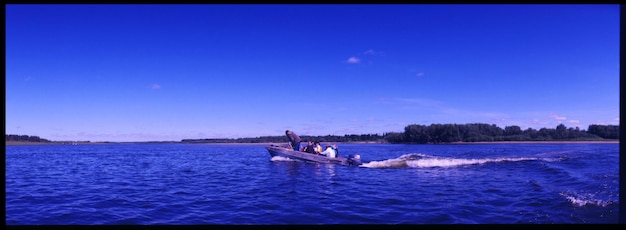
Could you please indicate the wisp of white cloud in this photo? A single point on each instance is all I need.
(557, 117)
(538, 122)
(374, 53)
(155, 86)
(353, 60)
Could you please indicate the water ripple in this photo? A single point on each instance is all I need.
(226, 184)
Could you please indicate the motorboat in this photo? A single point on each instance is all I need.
(281, 151)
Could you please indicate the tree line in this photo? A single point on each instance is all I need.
(304, 138)
(13, 137)
(604, 131)
(434, 133)
(450, 133)
(480, 132)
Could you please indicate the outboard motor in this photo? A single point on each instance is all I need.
(354, 159)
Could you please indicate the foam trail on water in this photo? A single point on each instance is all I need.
(279, 158)
(400, 162)
(390, 163)
(452, 162)
(425, 161)
(583, 200)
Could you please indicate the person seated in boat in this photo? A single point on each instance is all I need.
(329, 152)
(294, 140)
(310, 148)
(318, 148)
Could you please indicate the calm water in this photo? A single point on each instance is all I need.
(242, 184)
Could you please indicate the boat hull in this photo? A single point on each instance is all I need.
(304, 156)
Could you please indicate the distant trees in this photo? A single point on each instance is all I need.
(449, 133)
(434, 133)
(478, 132)
(13, 137)
(277, 139)
(605, 131)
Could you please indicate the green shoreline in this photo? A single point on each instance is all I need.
(22, 143)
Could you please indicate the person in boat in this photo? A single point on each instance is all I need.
(294, 140)
(330, 152)
(318, 148)
(310, 148)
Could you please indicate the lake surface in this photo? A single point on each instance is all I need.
(196, 184)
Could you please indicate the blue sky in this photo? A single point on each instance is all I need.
(172, 72)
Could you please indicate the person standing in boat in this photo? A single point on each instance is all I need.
(294, 140)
